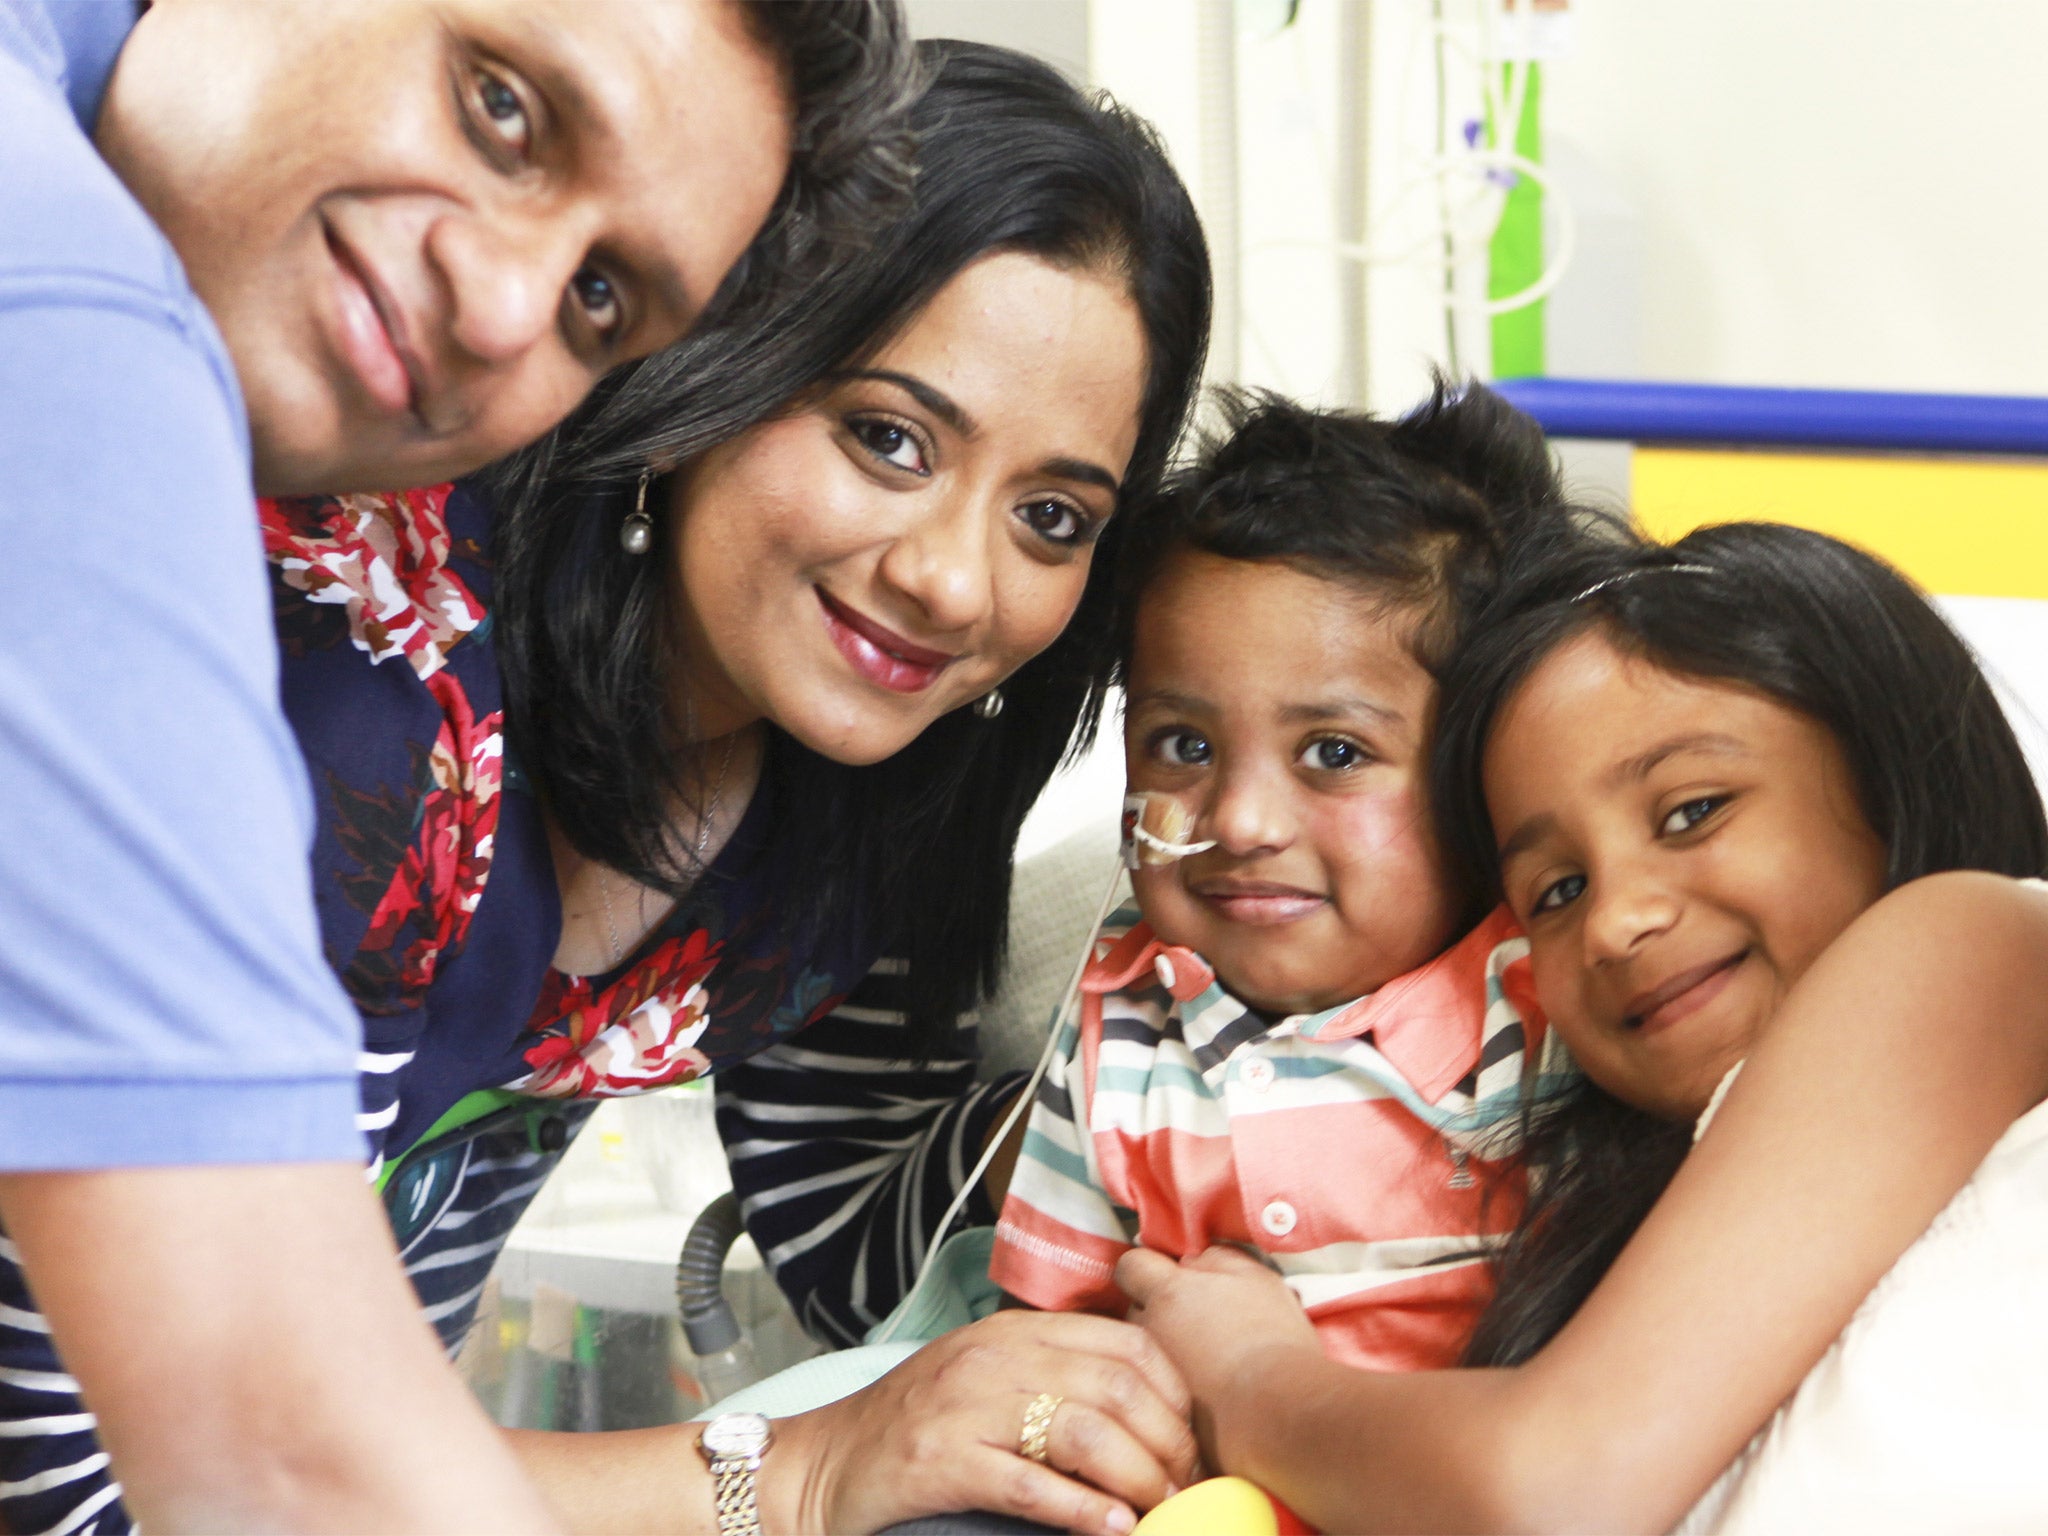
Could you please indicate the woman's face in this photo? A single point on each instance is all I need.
(922, 527)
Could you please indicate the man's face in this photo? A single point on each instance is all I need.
(427, 227)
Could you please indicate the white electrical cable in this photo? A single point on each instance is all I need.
(1500, 67)
(1020, 1108)
(1503, 84)
(1505, 110)
(1478, 161)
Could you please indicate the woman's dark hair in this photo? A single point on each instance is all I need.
(1424, 513)
(1815, 625)
(1012, 158)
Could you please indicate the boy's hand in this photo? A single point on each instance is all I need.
(1219, 1316)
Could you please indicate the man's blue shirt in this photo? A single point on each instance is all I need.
(163, 998)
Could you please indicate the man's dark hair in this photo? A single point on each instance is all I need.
(853, 75)
(1012, 158)
(1821, 628)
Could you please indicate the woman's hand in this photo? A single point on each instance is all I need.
(1218, 1316)
(941, 1432)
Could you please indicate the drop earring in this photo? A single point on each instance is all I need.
(990, 704)
(636, 533)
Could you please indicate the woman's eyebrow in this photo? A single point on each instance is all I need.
(1082, 470)
(939, 404)
(949, 411)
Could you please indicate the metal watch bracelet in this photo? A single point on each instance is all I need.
(733, 1444)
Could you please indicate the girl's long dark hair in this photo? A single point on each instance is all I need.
(1011, 158)
(1820, 627)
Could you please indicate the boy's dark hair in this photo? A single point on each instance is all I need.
(853, 76)
(1425, 513)
(1816, 625)
(1013, 158)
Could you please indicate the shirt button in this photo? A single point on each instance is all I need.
(1278, 1218)
(1162, 967)
(1258, 1074)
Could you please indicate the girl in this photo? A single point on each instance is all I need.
(1734, 789)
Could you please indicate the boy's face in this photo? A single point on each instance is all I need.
(427, 227)
(1288, 715)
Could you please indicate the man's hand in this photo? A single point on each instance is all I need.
(254, 1354)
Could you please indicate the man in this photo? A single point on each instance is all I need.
(417, 231)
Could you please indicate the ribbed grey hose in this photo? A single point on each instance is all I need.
(708, 1319)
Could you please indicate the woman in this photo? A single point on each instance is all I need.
(755, 609)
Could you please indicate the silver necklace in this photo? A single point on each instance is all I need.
(704, 826)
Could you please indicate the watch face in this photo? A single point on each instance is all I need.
(736, 1434)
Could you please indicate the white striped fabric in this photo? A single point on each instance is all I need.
(1364, 1150)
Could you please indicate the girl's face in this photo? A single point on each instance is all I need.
(922, 527)
(1287, 713)
(1680, 851)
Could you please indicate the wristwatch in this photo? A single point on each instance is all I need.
(734, 1443)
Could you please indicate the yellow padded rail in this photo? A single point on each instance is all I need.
(1960, 527)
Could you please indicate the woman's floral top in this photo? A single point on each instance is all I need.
(420, 817)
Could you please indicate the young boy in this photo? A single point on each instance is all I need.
(1306, 1040)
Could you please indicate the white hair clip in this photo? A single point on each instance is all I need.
(1161, 842)
(1642, 570)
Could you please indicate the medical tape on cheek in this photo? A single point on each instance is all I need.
(1154, 828)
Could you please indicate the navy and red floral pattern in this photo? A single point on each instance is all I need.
(436, 886)
(385, 560)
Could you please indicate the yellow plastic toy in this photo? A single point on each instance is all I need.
(1222, 1506)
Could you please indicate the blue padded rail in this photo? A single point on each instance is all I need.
(1799, 418)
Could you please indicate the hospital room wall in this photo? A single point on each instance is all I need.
(1828, 193)
(1055, 30)
(1823, 192)
(1836, 193)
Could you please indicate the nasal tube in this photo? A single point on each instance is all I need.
(1156, 828)
(1153, 828)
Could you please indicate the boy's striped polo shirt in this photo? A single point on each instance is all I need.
(1364, 1151)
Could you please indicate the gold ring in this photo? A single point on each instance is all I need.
(1037, 1425)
